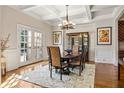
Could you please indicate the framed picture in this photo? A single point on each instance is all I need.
(104, 36)
(57, 37)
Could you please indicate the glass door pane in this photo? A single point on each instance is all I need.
(30, 45)
(38, 45)
(25, 45)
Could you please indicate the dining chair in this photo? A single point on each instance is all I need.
(79, 63)
(56, 61)
(75, 49)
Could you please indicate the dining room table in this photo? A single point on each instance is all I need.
(69, 58)
(69, 51)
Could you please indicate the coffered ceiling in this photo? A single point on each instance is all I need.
(78, 14)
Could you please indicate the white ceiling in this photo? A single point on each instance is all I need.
(78, 14)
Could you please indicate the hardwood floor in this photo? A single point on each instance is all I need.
(105, 76)
(10, 80)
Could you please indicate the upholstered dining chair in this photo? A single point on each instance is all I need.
(56, 61)
(79, 63)
(75, 49)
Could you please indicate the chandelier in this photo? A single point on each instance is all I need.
(66, 24)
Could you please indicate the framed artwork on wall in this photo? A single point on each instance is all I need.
(57, 37)
(104, 36)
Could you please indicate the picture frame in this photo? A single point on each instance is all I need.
(57, 37)
(104, 36)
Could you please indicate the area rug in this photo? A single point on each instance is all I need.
(41, 76)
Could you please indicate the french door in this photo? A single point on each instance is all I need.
(37, 46)
(30, 45)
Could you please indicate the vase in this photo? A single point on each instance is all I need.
(3, 64)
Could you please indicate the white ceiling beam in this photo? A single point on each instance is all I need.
(95, 9)
(80, 20)
(88, 12)
(49, 17)
(76, 21)
(52, 11)
(31, 8)
(71, 13)
(107, 16)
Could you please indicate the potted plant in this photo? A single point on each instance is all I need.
(3, 47)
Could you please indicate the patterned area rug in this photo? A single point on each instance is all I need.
(41, 76)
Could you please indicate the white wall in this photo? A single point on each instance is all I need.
(11, 18)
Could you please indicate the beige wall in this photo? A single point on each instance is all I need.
(0, 38)
(0, 21)
(105, 53)
(11, 18)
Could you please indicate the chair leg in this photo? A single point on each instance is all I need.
(68, 70)
(60, 74)
(49, 66)
(51, 71)
(80, 69)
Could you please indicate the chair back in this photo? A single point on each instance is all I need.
(55, 56)
(49, 56)
(75, 50)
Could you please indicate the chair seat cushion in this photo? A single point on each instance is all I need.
(75, 63)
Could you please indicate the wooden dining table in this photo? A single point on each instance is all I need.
(69, 58)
